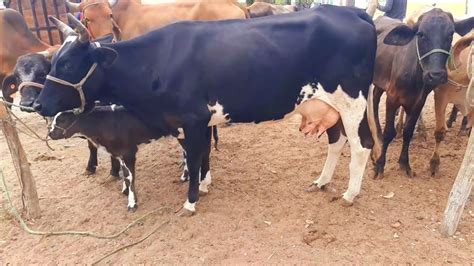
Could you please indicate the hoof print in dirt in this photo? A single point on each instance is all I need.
(185, 213)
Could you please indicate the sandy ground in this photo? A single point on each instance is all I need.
(256, 211)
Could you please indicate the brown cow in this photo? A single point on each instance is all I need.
(262, 9)
(134, 19)
(16, 40)
(454, 91)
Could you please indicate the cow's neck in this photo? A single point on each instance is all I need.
(124, 10)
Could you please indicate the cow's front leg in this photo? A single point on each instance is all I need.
(412, 118)
(115, 167)
(92, 162)
(440, 129)
(197, 145)
(361, 143)
(336, 142)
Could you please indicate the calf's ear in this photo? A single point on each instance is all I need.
(9, 85)
(400, 35)
(464, 26)
(104, 56)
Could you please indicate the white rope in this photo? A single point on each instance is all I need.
(76, 86)
(30, 83)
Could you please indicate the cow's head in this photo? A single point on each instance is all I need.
(63, 126)
(76, 69)
(431, 36)
(28, 77)
(97, 17)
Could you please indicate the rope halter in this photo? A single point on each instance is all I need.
(76, 86)
(31, 84)
(433, 51)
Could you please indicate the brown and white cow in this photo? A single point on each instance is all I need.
(454, 91)
(133, 19)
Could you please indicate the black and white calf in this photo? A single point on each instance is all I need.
(120, 133)
(194, 75)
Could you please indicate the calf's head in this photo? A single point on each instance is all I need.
(431, 36)
(63, 126)
(76, 74)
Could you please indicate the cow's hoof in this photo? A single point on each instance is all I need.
(132, 208)
(314, 188)
(185, 213)
(434, 166)
(378, 175)
(89, 171)
(125, 191)
(115, 174)
(464, 132)
(346, 203)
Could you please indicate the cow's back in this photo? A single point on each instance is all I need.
(135, 20)
(16, 40)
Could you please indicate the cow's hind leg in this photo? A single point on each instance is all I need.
(336, 142)
(92, 162)
(205, 174)
(361, 143)
(452, 116)
(115, 167)
(197, 145)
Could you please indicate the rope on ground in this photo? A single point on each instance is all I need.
(25, 227)
(132, 244)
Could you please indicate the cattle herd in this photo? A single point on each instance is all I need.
(180, 69)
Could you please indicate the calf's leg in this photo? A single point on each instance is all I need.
(452, 116)
(440, 129)
(205, 172)
(92, 162)
(388, 135)
(128, 168)
(412, 118)
(185, 175)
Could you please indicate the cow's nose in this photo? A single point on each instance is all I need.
(37, 106)
(439, 77)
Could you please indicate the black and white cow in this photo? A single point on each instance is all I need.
(193, 75)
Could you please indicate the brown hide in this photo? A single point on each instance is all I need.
(261, 9)
(16, 40)
(135, 19)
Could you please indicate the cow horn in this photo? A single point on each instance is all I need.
(45, 53)
(62, 27)
(73, 7)
(112, 3)
(83, 32)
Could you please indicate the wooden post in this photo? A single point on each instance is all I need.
(463, 184)
(460, 192)
(29, 195)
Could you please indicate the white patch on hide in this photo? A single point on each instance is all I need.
(189, 206)
(181, 133)
(131, 193)
(204, 184)
(25, 75)
(53, 124)
(217, 115)
(69, 39)
(334, 152)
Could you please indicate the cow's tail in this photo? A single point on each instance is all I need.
(377, 149)
(215, 136)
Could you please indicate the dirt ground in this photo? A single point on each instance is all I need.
(256, 212)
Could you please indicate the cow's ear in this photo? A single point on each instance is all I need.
(400, 35)
(464, 26)
(104, 56)
(9, 85)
